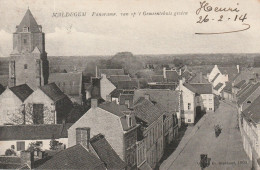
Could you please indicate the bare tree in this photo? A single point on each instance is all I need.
(27, 115)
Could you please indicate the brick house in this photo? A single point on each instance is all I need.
(12, 102)
(116, 122)
(169, 101)
(47, 105)
(150, 117)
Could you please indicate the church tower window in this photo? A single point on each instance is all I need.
(25, 29)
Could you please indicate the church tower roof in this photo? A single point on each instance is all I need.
(28, 22)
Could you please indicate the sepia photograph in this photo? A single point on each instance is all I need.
(130, 84)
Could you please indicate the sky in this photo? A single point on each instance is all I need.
(93, 35)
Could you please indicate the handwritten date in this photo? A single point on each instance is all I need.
(206, 18)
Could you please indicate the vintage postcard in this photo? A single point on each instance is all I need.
(130, 84)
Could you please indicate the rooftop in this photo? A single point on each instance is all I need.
(252, 112)
(106, 153)
(218, 86)
(34, 132)
(53, 91)
(22, 91)
(75, 157)
(202, 88)
(250, 90)
(146, 111)
(28, 21)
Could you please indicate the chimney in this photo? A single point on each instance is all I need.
(147, 96)
(200, 77)
(27, 158)
(164, 72)
(96, 71)
(238, 69)
(83, 136)
(94, 103)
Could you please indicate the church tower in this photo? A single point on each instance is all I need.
(28, 63)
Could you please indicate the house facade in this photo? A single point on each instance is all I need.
(12, 104)
(150, 118)
(190, 100)
(47, 105)
(116, 123)
(19, 137)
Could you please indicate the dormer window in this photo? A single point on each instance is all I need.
(248, 102)
(25, 29)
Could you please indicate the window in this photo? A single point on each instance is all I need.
(130, 121)
(25, 29)
(189, 106)
(189, 120)
(39, 143)
(210, 108)
(25, 66)
(20, 146)
(24, 41)
(127, 103)
(248, 102)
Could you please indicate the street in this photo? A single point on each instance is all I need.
(225, 151)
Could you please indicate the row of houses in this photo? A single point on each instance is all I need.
(243, 89)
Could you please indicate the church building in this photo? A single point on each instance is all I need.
(28, 63)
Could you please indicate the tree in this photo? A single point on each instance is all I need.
(25, 115)
(10, 152)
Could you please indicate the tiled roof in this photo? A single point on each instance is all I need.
(202, 88)
(4, 80)
(22, 91)
(167, 98)
(244, 88)
(171, 86)
(126, 97)
(75, 157)
(240, 84)
(116, 78)
(199, 78)
(106, 153)
(228, 87)
(127, 84)
(10, 162)
(230, 71)
(114, 108)
(116, 93)
(109, 72)
(157, 78)
(190, 87)
(147, 111)
(53, 91)
(69, 83)
(218, 86)
(250, 90)
(33, 132)
(216, 76)
(172, 76)
(28, 21)
(187, 75)
(252, 112)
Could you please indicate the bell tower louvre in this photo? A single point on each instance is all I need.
(28, 60)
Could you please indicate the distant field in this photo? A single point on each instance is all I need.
(71, 63)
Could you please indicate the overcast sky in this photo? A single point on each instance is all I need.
(140, 34)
